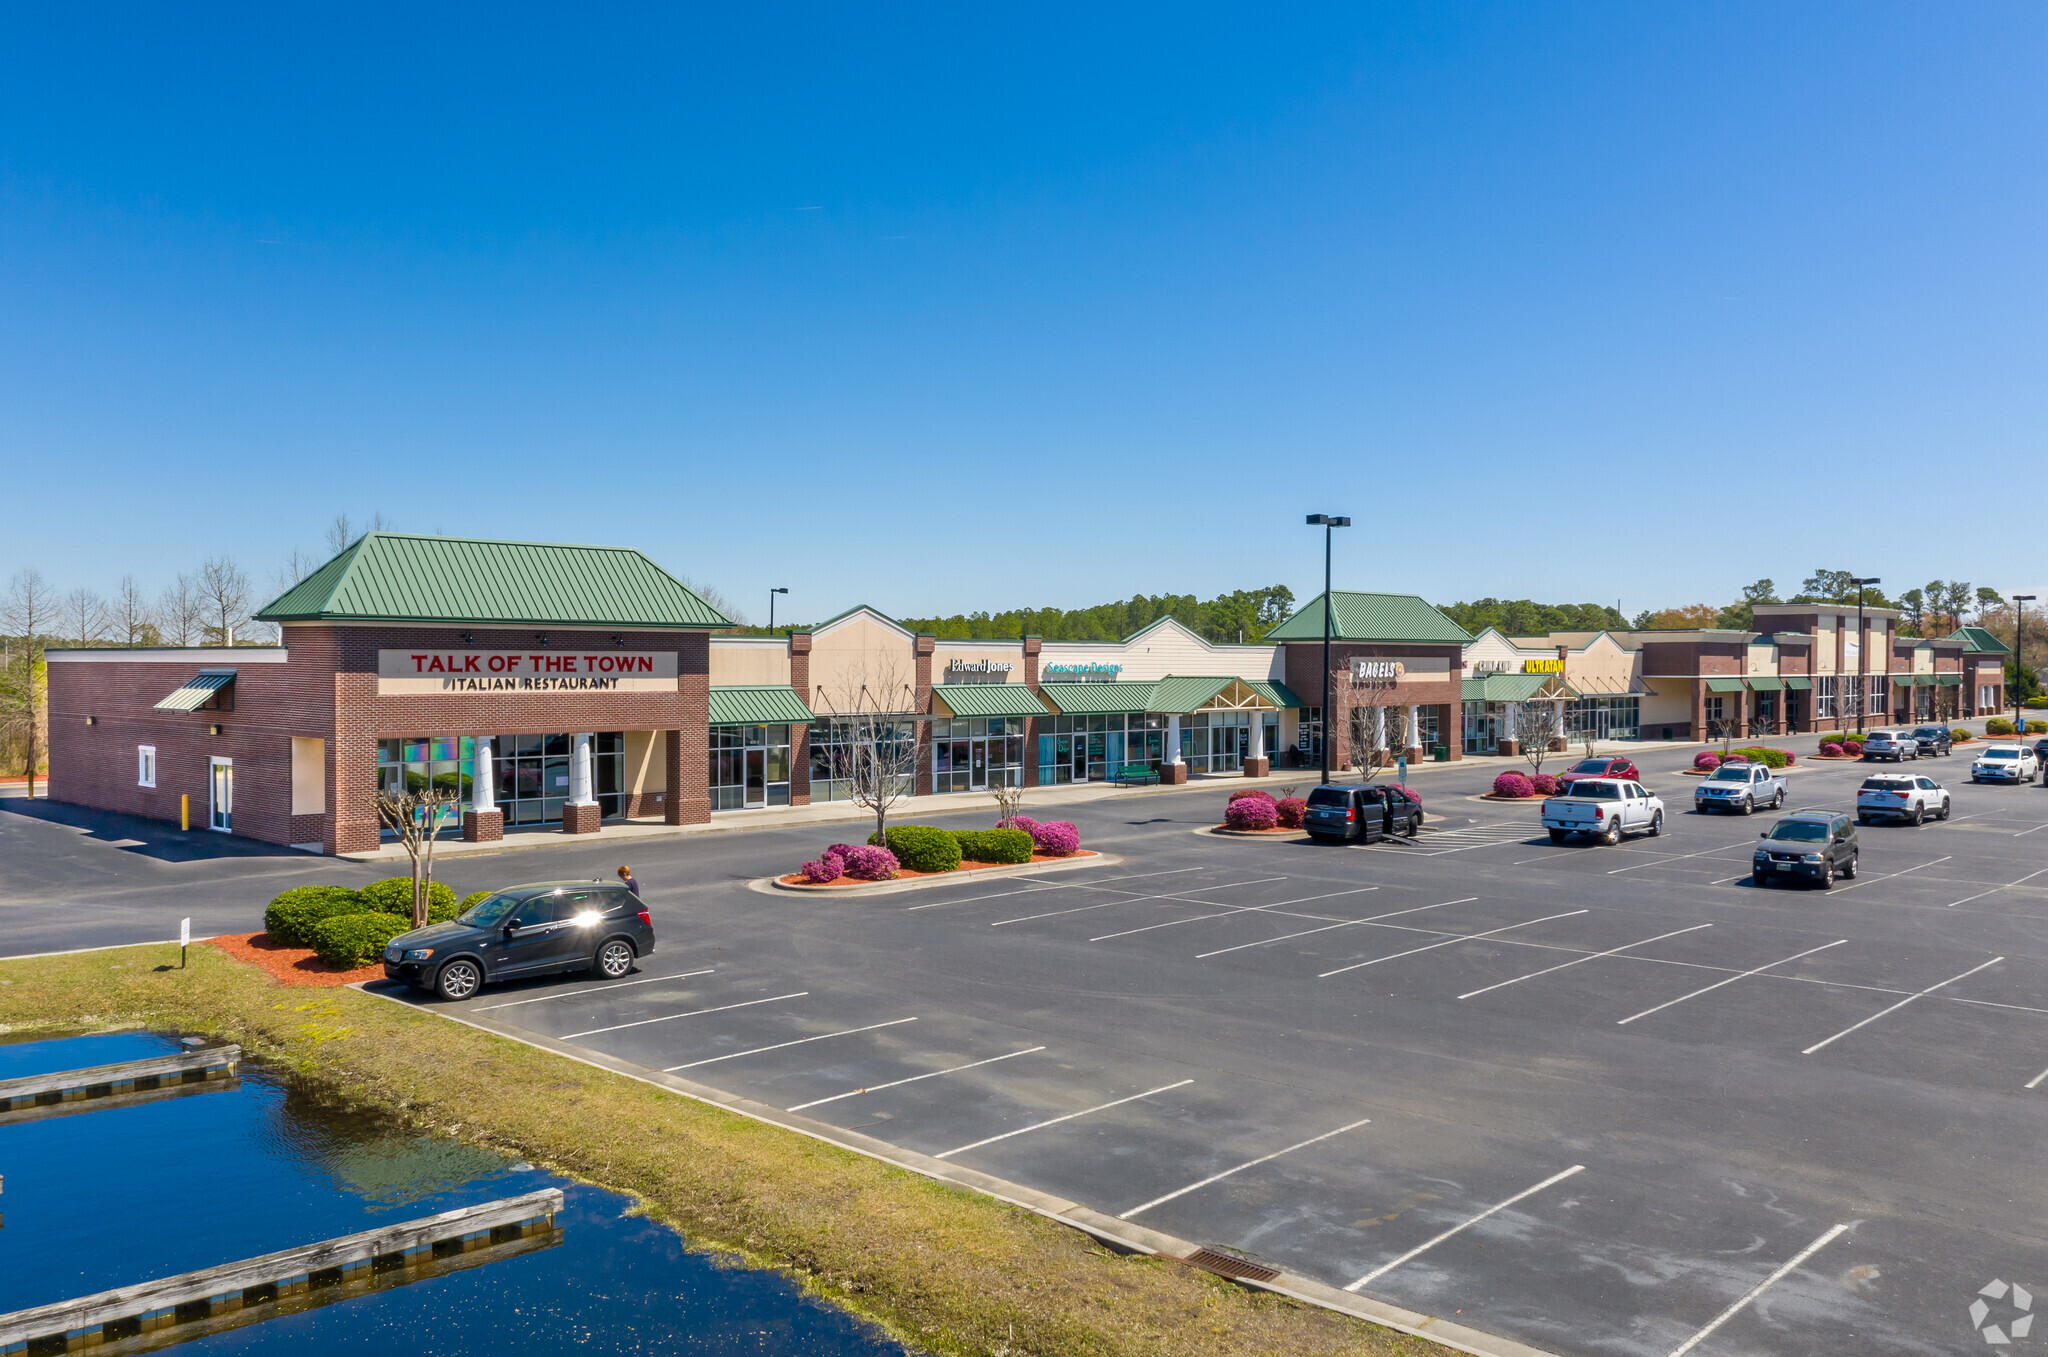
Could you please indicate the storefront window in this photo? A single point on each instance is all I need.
(835, 743)
(749, 766)
(1090, 748)
(974, 754)
(532, 773)
(1605, 718)
(1216, 741)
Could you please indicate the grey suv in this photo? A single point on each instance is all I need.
(1890, 744)
(1807, 845)
(525, 931)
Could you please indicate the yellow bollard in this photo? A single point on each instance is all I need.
(185, 813)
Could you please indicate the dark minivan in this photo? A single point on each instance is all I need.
(1369, 813)
(1810, 845)
(525, 931)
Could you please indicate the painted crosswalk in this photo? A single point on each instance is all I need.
(1435, 841)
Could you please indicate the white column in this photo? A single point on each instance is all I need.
(579, 773)
(483, 785)
(1415, 727)
(1173, 738)
(1258, 735)
(1563, 733)
(1379, 728)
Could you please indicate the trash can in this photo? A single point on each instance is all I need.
(1440, 753)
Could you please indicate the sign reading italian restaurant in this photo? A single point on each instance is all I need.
(525, 671)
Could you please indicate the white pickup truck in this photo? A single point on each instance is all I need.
(1605, 808)
(1744, 787)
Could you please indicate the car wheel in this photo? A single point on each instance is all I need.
(1849, 872)
(615, 958)
(1748, 806)
(1863, 819)
(1919, 814)
(1759, 879)
(1657, 824)
(1943, 815)
(1778, 801)
(1613, 835)
(458, 980)
(1827, 876)
(1558, 836)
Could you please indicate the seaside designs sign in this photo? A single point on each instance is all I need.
(525, 671)
(1089, 670)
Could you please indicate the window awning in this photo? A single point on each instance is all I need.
(769, 704)
(1799, 683)
(1516, 688)
(1275, 692)
(198, 690)
(1948, 680)
(1923, 680)
(1724, 685)
(988, 699)
(1762, 683)
(1098, 699)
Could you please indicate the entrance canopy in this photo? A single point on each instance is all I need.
(1516, 688)
(988, 699)
(1170, 696)
(757, 705)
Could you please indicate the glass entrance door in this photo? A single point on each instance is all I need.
(221, 795)
(757, 777)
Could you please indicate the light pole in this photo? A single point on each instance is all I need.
(1326, 522)
(2019, 659)
(1862, 649)
(771, 608)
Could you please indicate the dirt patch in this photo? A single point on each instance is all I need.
(291, 965)
(905, 874)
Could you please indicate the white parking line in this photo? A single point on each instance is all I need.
(1680, 857)
(599, 989)
(1287, 937)
(1229, 910)
(1811, 1249)
(1247, 1164)
(1996, 889)
(1039, 1126)
(695, 1012)
(2024, 832)
(1462, 937)
(1420, 1249)
(1134, 898)
(877, 1088)
(2035, 1082)
(735, 1055)
(1567, 965)
(1899, 1005)
(1866, 880)
(1050, 884)
(1623, 1022)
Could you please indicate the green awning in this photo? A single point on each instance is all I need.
(1182, 696)
(1922, 680)
(1275, 692)
(1766, 684)
(198, 691)
(758, 705)
(988, 699)
(1724, 685)
(1511, 687)
(1799, 683)
(1098, 699)
(1948, 680)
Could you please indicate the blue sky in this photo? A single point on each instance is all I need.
(953, 308)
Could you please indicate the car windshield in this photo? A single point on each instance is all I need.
(1595, 791)
(2001, 753)
(1927, 733)
(488, 912)
(1738, 773)
(1590, 766)
(1886, 784)
(1799, 831)
(1329, 796)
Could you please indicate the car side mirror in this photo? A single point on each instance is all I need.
(1763, 833)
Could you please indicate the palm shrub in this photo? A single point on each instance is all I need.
(923, 848)
(350, 940)
(291, 917)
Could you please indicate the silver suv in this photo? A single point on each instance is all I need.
(1890, 744)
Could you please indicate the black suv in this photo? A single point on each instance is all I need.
(1369, 813)
(524, 931)
(1933, 740)
(1811, 845)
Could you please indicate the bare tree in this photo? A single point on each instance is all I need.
(28, 610)
(179, 612)
(1009, 801)
(84, 617)
(876, 719)
(342, 534)
(1376, 726)
(416, 817)
(133, 619)
(713, 595)
(224, 596)
(1535, 728)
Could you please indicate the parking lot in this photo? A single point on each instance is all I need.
(1590, 1098)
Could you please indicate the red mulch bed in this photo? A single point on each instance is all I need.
(1277, 829)
(291, 965)
(904, 873)
(1496, 796)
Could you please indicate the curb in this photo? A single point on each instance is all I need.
(1271, 835)
(1116, 1233)
(769, 885)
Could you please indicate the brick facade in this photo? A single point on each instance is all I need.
(1304, 674)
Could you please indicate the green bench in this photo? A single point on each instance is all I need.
(1135, 774)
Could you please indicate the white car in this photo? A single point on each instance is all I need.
(1901, 796)
(2006, 763)
(1890, 744)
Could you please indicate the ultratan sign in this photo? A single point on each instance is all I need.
(525, 671)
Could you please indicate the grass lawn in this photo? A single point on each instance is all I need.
(941, 1268)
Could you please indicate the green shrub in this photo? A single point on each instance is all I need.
(2037, 727)
(2038, 700)
(393, 895)
(923, 848)
(1998, 725)
(1007, 846)
(1756, 753)
(469, 901)
(291, 916)
(351, 940)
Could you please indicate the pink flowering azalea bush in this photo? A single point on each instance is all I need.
(1543, 784)
(870, 863)
(1292, 810)
(1056, 838)
(1829, 749)
(1409, 792)
(1706, 762)
(1243, 792)
(1255, 811)
(828, 866)
(1512, 784)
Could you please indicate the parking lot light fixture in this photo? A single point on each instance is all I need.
(1863, 651)
(2019, 658)
(771, 608)
(1326, 522)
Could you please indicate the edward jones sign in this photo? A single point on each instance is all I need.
(524, 671)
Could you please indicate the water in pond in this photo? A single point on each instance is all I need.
(126, 1194)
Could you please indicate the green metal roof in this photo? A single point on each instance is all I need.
(1724, 685)
(1764, 683)
(1948, 680)
(198, 690)
(1098, 699)
(1371, 617)
(1923, 680)
(1275, 692)
(1978, 639)
(398, 577)
(1184, 695)
(1799, 683)
(1509, 687)
(757, 705)
(988, 699)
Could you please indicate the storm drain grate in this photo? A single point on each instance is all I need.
(1231, 1265)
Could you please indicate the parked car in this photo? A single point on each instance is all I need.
(1740, 787)
(2041, 752)
(2006, 763)
(1606, 765)
(1605, 808)
(525, 931)
(1901, 796)
(1890, 744)
(1370, 813)
(1936, 740)
(1809, 845)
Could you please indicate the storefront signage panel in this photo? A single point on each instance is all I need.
(978, 671)
(525, 671)
(1091, 670)
(1543, 666)
(1373, 673)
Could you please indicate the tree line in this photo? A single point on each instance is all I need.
(1244, 615)
(1936, 608)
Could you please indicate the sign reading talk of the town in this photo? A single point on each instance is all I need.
(525, 671)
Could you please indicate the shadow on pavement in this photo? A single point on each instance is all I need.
(147, 838)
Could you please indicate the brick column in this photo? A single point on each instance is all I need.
(1032, 646)
(923, 703)
(688, 798)
(1699, 709)
(800, 736)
